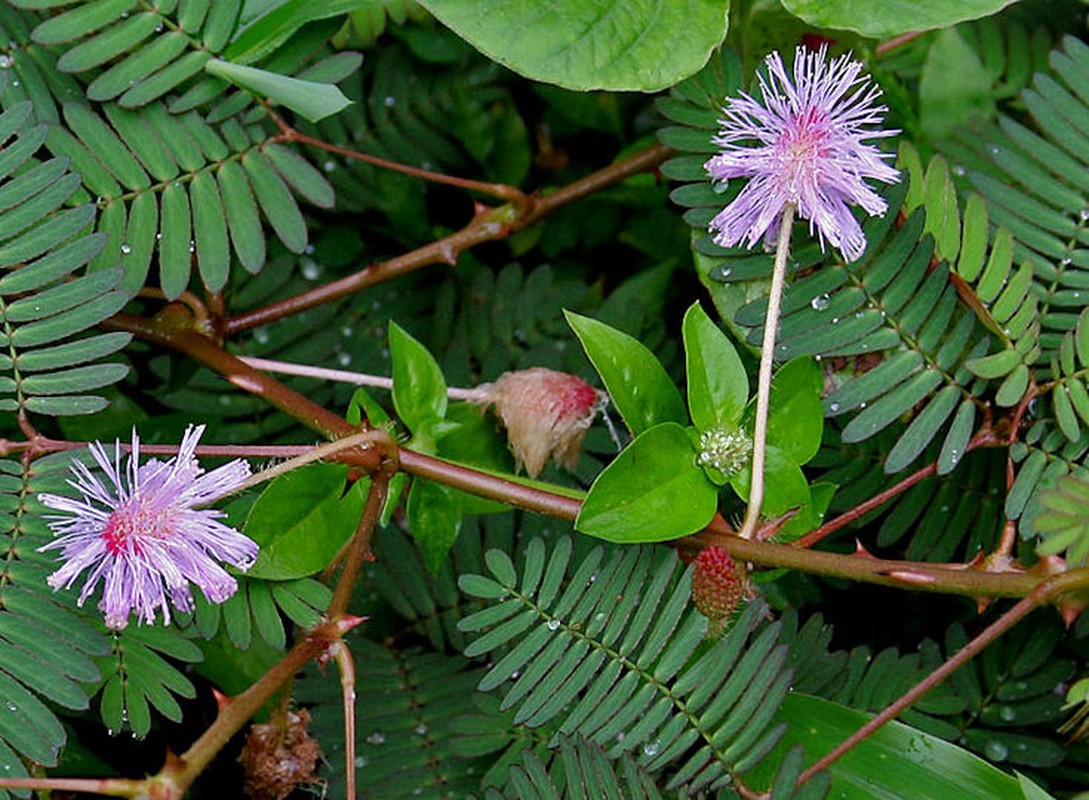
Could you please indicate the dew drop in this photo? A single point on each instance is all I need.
(310, 268)
(1066, 261)
(10, 706)
(360, 762)
(347, 331)
(835, 320)
(159, 28)
(833, 407)
(126, 248)
(261, 336)
(862, 404)
(514, 675)
(390, 101)
(553, 624)
(720, 186)
(1007, 713)
(377, 737)
(994, 149)
(344, 359)
(420, 729)
(724, 273)
(996, 751)
(959, 170)
(652, 748)
(5, 62)
(1084, 213)
(15, 82)
(192, 246)
(820, 302)
(329, 165)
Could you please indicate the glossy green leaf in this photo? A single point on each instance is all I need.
(785, 485)
(279, 23)
(638, 385)
(653, 491)
(795, 413)
(879, 768)
(434, 519)
(312, 100)
(717, 383)
(419, 388)
(591, 44)
(881, 19)
(302, 519)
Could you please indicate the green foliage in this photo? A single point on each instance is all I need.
(887, 18)
(302, 519)
(575, 656)
(600, 44)
(144, 148)
(48, 649)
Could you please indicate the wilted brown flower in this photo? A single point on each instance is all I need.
(280, 757)
(545, 413)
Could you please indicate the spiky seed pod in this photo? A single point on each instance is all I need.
(546, 413)
(718, 586)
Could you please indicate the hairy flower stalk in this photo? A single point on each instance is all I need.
(803, 148)
(140, 534)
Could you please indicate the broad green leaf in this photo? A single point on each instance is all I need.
(638, 385)
(475, 441)
(795, 413)
(314, 101)
(883, 766)
(653, 491)
(434, 519)
(717, 384)
(419, 388)
(879, 19)
(302, 519)
(617, 45)
(785, 485)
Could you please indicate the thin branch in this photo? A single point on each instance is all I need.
(346, 665)
(499, 190)
(486, 226)
(767, 363)
(345, 376)
(1040, 595)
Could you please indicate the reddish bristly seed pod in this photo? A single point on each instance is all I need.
(546, 413)
(718, 585)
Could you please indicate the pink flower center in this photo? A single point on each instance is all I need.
(802, 147)
(129, 526)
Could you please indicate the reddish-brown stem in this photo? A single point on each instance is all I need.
(500, 190)
(110, 787)
(1008, 540)
(896, 41)
(359, 550)
(488, 225)
(1040, 595)
(985, 437)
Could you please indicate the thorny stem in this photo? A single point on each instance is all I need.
(359, 550)
(1044, 592)
(767, 363)
(486, 226)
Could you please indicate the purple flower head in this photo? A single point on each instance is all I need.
(142, 536)
(804, 145)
